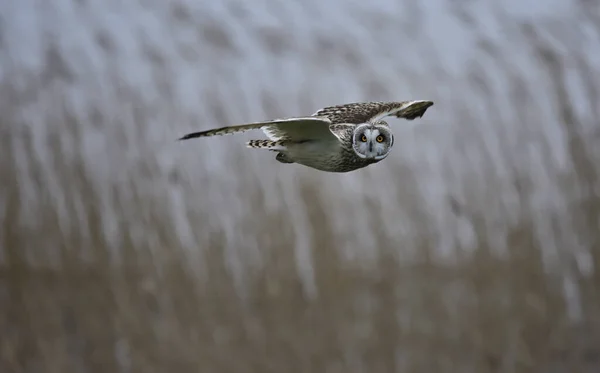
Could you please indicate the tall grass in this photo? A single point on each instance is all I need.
(473, 249)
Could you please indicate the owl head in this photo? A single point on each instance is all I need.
(372, 140)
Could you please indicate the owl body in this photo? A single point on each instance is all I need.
(340, 138)
(331, 155)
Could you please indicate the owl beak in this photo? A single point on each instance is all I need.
(370, 147)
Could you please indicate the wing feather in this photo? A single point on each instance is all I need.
(280, 128)
(317, 126)
(361, 112)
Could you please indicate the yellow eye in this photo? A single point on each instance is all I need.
(379, 138)
(363, 138)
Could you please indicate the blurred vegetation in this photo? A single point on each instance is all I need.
(77, 300)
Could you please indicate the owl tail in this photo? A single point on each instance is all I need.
(266, 144)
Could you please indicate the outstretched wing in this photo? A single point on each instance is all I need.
(361, 112)
(279, 129)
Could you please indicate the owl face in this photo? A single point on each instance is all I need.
(372, 140)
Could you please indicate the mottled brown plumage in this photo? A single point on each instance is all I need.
(337, 138)
(361, 112)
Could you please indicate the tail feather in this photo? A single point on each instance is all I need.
(266, 144)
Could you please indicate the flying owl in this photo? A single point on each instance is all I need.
(339, 138)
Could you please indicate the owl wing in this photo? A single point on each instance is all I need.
(361, 112)
(301, 128)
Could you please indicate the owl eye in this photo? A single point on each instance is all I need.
(363, 138)
(379, 138)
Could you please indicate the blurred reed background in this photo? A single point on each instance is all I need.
(472, 248)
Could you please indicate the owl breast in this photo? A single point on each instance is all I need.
(329, 156)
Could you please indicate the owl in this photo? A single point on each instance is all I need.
(339, 138)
